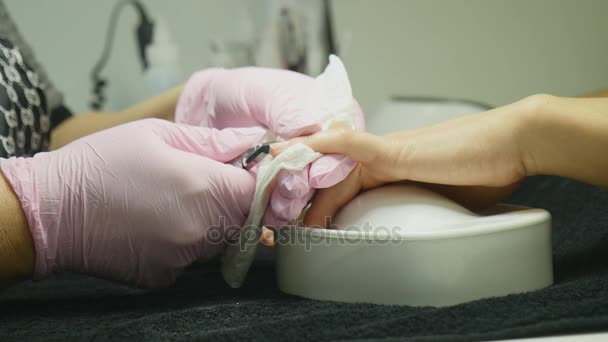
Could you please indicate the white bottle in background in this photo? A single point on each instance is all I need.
(164, 70)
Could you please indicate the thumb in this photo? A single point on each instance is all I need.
(221, 145)
(360, 146)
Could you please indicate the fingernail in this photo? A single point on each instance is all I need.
(267, 237)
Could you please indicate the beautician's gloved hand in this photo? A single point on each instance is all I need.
(136, 203)
(277, 100)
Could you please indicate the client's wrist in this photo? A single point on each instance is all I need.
(534, 116)
(17, 254)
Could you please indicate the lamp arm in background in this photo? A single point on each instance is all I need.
(331, 41)
(145, 32)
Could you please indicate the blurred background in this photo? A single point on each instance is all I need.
(494, 52)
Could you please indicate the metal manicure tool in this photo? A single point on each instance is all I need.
(253, 155)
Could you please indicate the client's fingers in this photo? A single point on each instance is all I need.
(328, 201)
(361, 146)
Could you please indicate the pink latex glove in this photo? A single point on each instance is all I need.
(274, 99)
(136, 203)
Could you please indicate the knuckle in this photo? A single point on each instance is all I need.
(537, 102)
(154, 121)
(345, 135)
(153, 124)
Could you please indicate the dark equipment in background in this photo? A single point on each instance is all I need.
(144, 35)
(296, 57)
(329, 28)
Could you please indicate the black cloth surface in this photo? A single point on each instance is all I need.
(200, 306)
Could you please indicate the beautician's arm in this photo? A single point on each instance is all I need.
(162, 107)
(16, 246)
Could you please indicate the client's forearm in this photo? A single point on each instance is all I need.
(569, 137)
(16, 246)
(162, 106)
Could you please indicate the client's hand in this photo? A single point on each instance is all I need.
(277, 100)
(476, 159)
(136, 203)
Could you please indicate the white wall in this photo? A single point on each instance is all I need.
(68, 35)
(492, 51)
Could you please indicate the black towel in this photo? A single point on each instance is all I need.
(200, 306)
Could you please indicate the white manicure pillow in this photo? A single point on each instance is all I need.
(402, 244)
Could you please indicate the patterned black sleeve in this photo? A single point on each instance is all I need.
(25, 120)
(30, 105)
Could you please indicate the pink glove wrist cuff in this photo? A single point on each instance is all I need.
(20, 175)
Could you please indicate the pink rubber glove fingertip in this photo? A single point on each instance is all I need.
(293, 183)
(282, 210)
(330, 170)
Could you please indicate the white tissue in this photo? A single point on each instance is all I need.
(239, 256)
(332, 101)
(333, 96)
